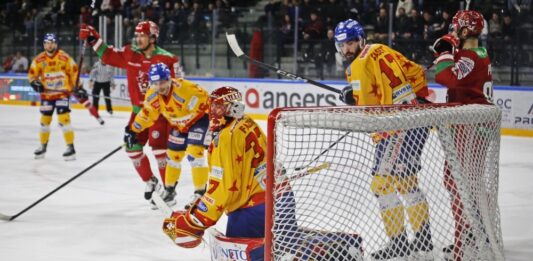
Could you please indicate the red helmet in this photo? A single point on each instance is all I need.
(224, 102)
(471, 20)
(147, 27)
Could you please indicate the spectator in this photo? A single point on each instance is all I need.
(381, 26)
(402, 25)
(20, 63)
(329, 53)
(508, 30)
(85, 14)
(417, 24)
(285, 35)
(101, 78)
(428, 26)
(495, 27)
(407, 6)
(442, 28)
(8, 63)
(313, 30)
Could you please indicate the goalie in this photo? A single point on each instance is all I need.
(237, 168)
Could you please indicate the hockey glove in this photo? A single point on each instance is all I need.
(346, 95)
(37, 86)
(181, 228)
(446, 44)
(80, 93)
(88, 34)
(130, 137)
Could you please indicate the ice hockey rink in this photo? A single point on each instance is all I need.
(103, 216)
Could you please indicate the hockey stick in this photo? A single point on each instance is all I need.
(109, 97)
(309, 171)
(10, 218)
(161, 205)
(324, 151)
(232, 41)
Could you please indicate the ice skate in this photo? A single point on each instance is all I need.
(39, 152)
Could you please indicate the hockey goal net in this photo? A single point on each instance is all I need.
(378, 183)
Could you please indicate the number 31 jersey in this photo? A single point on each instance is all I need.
(237, 170)
(380, 75)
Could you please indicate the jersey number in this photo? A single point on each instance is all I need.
(488, 90)
(214, 185)
(253, 143)
(394, 80)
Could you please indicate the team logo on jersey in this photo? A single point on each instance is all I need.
(155, 134)
(195, 136)
(137, 126)
(216, 172)
(208, 199)
(260, 169)
(201, 206)
(356, 85)
(152, 96)
(178, 98)
(464, 67)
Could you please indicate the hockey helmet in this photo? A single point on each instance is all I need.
(147, 27)
(349, 30)
(224, 102)
(158, 72)
(471, 20)
(50, 37)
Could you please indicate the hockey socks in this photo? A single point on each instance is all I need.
(161, 158)
(141, 164)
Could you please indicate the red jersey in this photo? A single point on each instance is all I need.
(467, 75)
(137, 65)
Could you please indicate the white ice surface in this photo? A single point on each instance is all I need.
(102, 215)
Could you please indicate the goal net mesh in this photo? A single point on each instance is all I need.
(366, 183)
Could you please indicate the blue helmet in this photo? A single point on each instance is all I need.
(349, 30)
(50, 37)
(158, 72)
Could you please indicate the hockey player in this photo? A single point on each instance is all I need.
(53, 74)
(237, 169)
(465, 69)
(184, 105)
(136, 59)
(379, 75)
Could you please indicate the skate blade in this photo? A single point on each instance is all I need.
(69, 158)
(39, 156)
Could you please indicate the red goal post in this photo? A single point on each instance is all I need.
(321, 162)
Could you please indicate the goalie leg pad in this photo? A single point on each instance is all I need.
(64, 122)
(231, 248)
(44, 133)
(391, 207)
(415, 201)
(199, 169)
(173, 169)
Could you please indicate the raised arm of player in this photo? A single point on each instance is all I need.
(108, 54)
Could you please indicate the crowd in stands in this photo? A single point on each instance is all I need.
(416, 23)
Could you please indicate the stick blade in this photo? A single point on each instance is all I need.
(232, 41)
(5, 217)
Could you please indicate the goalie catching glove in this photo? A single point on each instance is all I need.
(184, 229)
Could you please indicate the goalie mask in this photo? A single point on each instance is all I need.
(225, 103)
